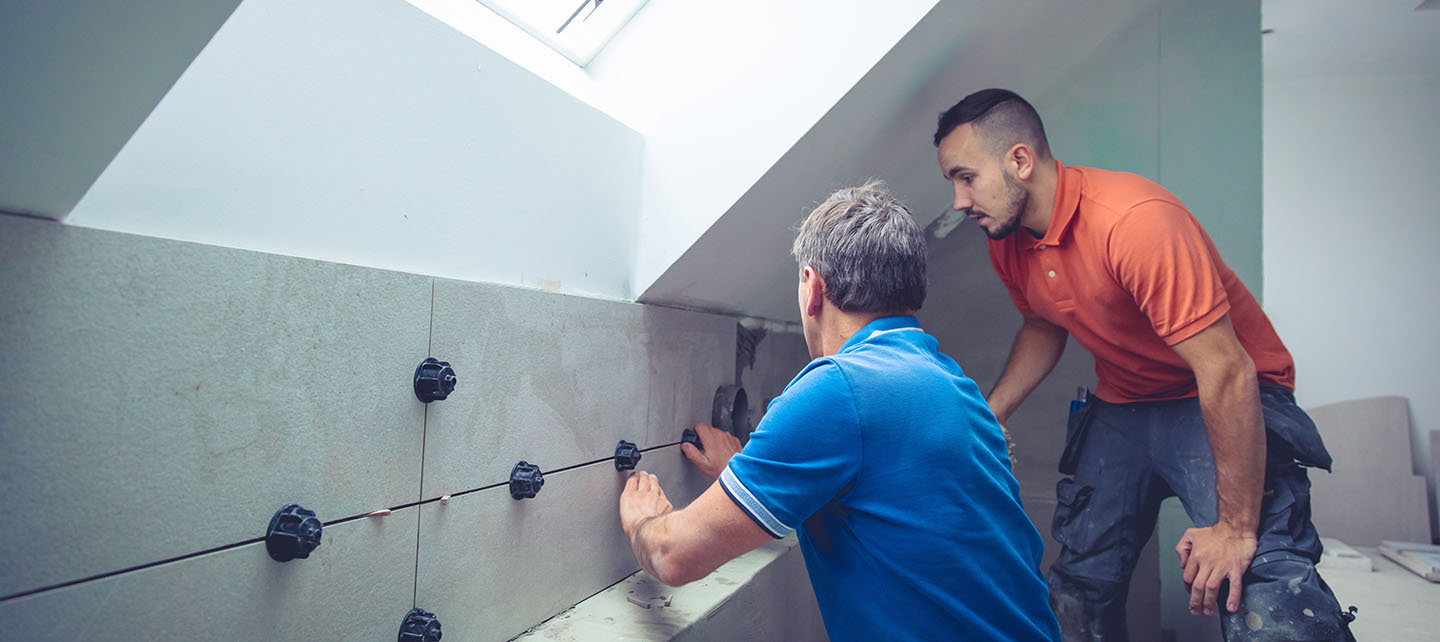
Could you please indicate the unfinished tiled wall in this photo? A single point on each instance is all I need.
(160, 400)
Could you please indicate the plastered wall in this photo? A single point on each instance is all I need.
(1348, 262)
(1175, 97)
(368, 132)
(159, 400)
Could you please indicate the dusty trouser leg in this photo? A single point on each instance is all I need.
(1283, 597)
(1103, 517)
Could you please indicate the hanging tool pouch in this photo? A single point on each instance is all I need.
(1076, 427)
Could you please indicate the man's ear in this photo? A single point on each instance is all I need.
(1021, 160)
(814, 291)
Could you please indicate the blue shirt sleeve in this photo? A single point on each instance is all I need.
(803, 454)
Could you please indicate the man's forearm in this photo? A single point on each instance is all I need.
(647, 539)
(1037, 348)
(1230, 404)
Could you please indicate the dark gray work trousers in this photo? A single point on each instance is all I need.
(1126, 458)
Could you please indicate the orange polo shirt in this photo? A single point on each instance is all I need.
(1127, 270)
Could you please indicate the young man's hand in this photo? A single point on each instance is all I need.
(719, 446)
(1209, 556)
(641, 501)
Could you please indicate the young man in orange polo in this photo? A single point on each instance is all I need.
(1195, 393)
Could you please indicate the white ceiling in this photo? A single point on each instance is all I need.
(882, 128)
(1350, 37)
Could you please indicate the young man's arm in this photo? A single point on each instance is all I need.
(678, 547)
(1230, 403)
(1037, 348)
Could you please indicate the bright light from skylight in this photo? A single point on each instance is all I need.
(576, 28)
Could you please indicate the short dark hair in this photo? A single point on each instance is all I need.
(1001, 116)
(868, 248)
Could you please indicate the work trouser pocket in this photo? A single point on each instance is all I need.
(1076, 427)
(1291, 434)
(1071, 500)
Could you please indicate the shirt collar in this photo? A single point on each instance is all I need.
(880, 326)
(1067, 202)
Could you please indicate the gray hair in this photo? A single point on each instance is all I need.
(868, 249)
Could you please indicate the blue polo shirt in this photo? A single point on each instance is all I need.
(888, 462)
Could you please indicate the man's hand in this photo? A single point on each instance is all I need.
(1009, 444)
(719, 446)
(1209, 556)
(642, 501)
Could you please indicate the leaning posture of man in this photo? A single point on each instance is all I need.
(881, 453)
(1195, 393)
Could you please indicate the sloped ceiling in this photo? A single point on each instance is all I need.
(882, 128)
(76, 79)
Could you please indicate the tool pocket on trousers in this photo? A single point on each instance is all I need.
(1076, 427)
(1071, 500)
(1291, 434)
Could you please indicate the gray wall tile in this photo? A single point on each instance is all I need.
(778, 358)
(492, 567)
(689, 356)
(552, 379)
(357, 586)
(160, 398)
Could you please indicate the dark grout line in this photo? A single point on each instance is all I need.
(568, 468)
(430, 339)
(132, 569)
(334, 522)
(420, 497)
(602, 460)
(424, 433)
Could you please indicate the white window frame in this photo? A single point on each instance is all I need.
(593, 24)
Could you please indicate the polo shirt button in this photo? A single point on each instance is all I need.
(1052, 274)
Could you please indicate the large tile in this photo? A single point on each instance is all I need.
(778, 358)
(492, 567)
(1370, 441)
(358, 585)
(160, 398)
(689, 356)
(553, 379)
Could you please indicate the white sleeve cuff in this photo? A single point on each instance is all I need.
(747, 502)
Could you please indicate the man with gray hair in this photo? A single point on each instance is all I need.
(881, 454)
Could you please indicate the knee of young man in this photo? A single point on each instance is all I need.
(1284, 599)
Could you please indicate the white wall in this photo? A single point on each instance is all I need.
(371, 133)
(1352, 212)
(366, 132)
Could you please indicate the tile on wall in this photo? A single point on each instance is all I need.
(160, 398)
(556, 380)
(495, 566)
(778, 358)
(689, 356)
(357, 586)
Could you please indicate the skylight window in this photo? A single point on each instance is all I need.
(578, 29)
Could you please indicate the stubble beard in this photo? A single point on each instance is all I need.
(1017, 199)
